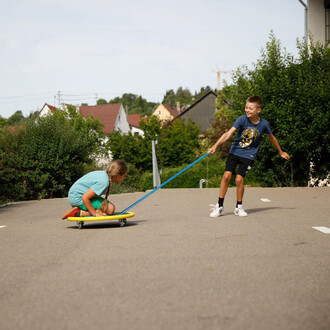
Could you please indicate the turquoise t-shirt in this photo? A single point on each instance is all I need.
(98, 181)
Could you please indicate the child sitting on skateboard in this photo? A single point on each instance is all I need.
(243, 152)
(85, 194)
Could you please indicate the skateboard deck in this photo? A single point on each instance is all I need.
(116, 216)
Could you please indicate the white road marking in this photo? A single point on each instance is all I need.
(2, 227)
(265, 200)
(324, 230)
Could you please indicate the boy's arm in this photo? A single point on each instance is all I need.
(223, 138)
(275, 143)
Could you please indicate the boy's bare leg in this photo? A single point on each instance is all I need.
(239, 187)
(225, 183)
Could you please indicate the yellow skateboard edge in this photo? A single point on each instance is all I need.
(115, 216)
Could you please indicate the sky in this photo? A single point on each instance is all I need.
(77, 51)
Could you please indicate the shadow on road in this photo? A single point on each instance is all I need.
(263, 209)
(108, 224)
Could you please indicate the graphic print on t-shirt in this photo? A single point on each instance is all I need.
(249, 136)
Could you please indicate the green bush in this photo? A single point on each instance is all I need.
(132, 182)
(42, 159)
(178, 142)
(210, 168)
(295, 94)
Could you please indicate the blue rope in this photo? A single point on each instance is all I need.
(164, 183)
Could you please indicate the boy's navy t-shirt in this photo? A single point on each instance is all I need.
(248, 138)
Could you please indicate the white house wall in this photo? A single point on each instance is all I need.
(137, 130)
(121, 121)
(316, 19)
(45, 112)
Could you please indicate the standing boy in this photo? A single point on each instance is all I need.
(243, 152)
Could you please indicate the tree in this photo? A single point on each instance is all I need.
(295, 94)
(151, 127)
(202, 92)
(182, 95)
(220, 125)
(101, 101)
(90, 129)
(138, 106)
(170, 98)
(135, 149)
(3, 122)
(179, 142)
(116, 100)
(15, 119)
(135, 104)
(43, 158)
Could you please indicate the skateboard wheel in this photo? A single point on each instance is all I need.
(80, 224)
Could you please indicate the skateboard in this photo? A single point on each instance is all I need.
(116, 216)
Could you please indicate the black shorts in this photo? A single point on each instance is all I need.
(244, 164)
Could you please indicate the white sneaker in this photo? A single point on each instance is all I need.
(216, 210)
(240, 212)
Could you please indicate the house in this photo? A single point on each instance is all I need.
(165, 112)
(112, 116)
(317, 19)
(46, 110)
(133, 121)
(202, 111)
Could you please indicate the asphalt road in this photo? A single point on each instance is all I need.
(171, 267)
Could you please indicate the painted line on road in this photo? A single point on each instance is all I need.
(324, 230)
(2, 227)
(265, 200)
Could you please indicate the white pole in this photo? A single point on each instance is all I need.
(306, 20)
(155, 172)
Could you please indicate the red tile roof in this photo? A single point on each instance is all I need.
(133, 120)
(172, 110)
(106, 113)
(51, 108)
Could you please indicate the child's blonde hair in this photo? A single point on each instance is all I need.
(117, 167)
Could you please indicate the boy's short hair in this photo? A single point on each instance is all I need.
(255, 99)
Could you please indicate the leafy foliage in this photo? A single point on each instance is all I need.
(43, 158)
(135, 104)
(130, 148)
(220, 126)
(3, 122)
(177, 143)
(296, 101)
(184, 96)
(15, 119)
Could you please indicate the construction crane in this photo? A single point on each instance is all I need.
(218, 72)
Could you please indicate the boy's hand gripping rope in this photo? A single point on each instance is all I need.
(164, 183)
